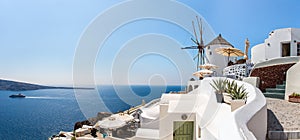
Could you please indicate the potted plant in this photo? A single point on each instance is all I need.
(220, 87)
(238, 95)
(295, 97)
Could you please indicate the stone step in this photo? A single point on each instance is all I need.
(280, 86)
(274, 95)
(275, 90)
(284, 135)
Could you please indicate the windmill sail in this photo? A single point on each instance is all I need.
(199, 45)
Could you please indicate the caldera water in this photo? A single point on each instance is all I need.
(44, 113)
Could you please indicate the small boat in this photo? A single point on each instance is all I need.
(17, 96)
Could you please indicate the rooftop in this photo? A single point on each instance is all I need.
(219, 41)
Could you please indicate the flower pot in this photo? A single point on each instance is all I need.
(219, 97)
(226, 98)
(294, 99)
(235, 104)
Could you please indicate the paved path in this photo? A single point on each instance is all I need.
(283, 115)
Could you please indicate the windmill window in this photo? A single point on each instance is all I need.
(199, 132)
(208, 47)
(210, 53)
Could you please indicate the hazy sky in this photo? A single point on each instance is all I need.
(38, 39)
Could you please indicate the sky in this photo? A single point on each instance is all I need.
(39, 39)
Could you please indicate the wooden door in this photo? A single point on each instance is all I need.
(183, 130)
(286, 49)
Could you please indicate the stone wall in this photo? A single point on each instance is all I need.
(271, 75)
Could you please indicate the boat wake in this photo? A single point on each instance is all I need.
(41, 97)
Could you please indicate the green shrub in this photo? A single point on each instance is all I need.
(297, 95)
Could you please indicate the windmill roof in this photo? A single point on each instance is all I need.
(219, 41)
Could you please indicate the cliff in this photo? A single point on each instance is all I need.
(21, 86)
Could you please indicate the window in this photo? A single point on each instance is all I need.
(208, 47)
(210, 53)
(199, 132)
(298, 49)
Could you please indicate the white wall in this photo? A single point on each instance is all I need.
(292, 80)
(216, 59)
(295, 37)
(258, 124)
(258, 53)
(193, 84)
(250, 120)
(149, 123)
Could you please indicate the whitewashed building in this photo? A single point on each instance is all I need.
(198, 116)
(280, 43)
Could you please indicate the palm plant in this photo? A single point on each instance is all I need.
(219, 85)
(230, 86)
(236, 92)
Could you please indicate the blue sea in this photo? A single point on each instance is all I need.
(44, 113)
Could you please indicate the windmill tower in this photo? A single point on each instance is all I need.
(199, 45)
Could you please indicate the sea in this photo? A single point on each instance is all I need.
(46, 112)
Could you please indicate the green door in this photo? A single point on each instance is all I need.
(183, 130)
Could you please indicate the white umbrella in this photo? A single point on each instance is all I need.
(203, 72)
(111, 123)
(124, 117)
(208, 66)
